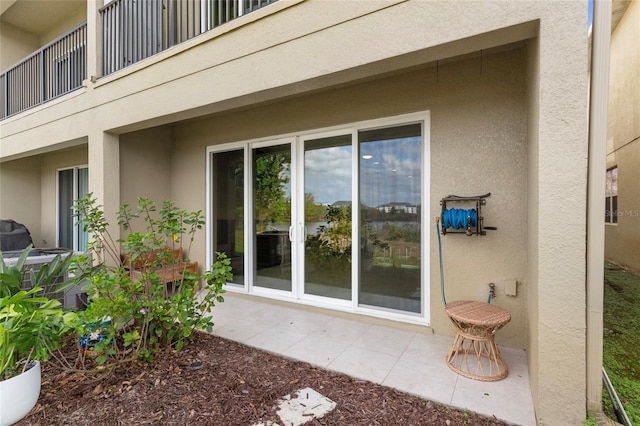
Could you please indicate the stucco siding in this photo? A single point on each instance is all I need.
(478, 145)
(505, 85)
(561, 182)
(622, 240)
(20, 189)
(145, 166)
(16, 45)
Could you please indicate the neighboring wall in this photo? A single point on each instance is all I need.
(622, 240)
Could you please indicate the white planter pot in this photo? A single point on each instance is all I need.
(19, 394)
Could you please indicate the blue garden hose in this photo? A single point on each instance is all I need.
(459, 218)
(444, 299)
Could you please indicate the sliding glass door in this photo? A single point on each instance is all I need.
(327, 216)
(272, 228)
(227, 208)
(390, 174)
(288, 213)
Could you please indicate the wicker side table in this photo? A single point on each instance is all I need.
(474, 353)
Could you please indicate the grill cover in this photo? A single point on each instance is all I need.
(13, 235)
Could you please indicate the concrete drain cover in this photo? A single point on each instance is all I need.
(301, 407)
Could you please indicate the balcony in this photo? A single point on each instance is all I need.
(134, 30)
(52, 71)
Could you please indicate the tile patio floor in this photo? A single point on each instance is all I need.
(395, 356)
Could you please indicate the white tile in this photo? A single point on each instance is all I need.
(305, 322)
(271, 317)
(426, 380)
(500, 399)
(275, 339)
(342, 329)
(239, 306)
(385, 339)
(239, 330)
(516, 360)
(364, 364)
(317, 350)
(428, 348)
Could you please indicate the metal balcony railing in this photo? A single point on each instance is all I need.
(136, 29)
(56, 69)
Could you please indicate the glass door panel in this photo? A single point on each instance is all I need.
(390, 229)
(327, 217)
(227, 171)
(272, 217)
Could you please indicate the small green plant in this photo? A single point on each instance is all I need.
(590, 421)
(31, 326)
(132, 317)
(466, 417)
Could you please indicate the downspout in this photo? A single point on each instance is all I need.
(596, 185)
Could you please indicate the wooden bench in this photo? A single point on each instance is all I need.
(171, 269)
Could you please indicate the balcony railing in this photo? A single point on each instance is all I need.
(56, 69)
(136, 29)
(132, 31)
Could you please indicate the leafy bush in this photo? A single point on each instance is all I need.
(31, 326)
(134, 318)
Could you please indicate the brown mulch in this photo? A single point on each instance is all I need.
(236, 385)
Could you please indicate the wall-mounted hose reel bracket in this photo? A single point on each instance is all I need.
(464, 221)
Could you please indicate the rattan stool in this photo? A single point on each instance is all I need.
(474, 353)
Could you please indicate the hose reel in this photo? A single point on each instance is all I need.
(464, 221)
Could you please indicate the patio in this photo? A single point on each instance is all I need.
(398, 355)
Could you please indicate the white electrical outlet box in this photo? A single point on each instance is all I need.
(511, 287)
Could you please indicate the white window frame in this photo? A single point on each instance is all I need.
(423, 117)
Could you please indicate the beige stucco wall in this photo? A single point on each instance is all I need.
(257, 64)
(478, 145)
(15, 44)
(293, 60)
(20, 189)
(559, 243)
(533, 216)
(145, 166)
(622, 240)
(64, 26)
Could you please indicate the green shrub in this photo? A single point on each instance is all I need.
(134, 318)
